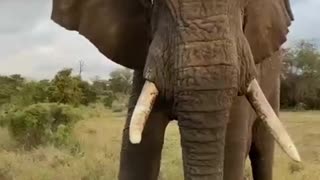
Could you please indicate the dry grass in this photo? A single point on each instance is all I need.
(99, 137)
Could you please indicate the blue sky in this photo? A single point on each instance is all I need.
(34, 46)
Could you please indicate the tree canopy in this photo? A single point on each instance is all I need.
(65, 88)
(300, 84)
(300, 80)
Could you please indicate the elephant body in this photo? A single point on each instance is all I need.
(247, 136)
(200, 55)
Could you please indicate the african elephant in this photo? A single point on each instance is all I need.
(246, 134)
(192, 61)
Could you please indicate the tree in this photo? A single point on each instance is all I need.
(89, 94)
(31, 93)
(101, 87)
(10, 86)
(81, 67)
(68, 89)
(120, 81)
(301, 76)
(65, 88)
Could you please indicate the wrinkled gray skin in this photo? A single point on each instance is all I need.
(201, 54)
(246, 135)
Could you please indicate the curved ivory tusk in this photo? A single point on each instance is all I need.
(141, 111)
(265, 112)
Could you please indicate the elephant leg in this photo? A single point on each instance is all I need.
(261, 152)
(237, 139)
(262, 147)
(142, 161)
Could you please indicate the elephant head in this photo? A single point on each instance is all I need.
(196, 54)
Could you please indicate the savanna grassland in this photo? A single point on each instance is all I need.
(97, 154)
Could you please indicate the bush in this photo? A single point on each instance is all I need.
(295, 167)
(65, 88)
(41, 124)
(108, 100)
(4, 110)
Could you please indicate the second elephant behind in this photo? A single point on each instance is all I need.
(247, 135)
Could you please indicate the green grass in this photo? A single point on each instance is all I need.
(99, 137)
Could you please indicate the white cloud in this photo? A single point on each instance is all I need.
(21, 15)
(33, 45)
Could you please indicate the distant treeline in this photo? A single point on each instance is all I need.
(300, 78)
(300, 84)
(64, 88)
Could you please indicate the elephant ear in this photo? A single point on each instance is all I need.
(266, 24)
(118, 28)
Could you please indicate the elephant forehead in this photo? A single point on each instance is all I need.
(197, 9)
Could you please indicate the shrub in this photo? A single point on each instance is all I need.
(42, 123)
(295, 167)
(108, 100)
(65, 88)
(4, 110)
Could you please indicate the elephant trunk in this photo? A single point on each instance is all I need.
(202, 125)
